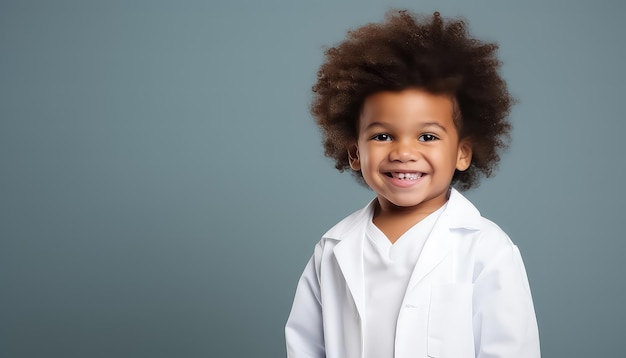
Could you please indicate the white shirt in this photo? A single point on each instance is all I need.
(387, 270)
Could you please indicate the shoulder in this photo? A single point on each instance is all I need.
(488, 251)
(488, 247)
(491, 233)
(491, 239)
(462, 215)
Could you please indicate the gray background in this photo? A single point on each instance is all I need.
(162, 183)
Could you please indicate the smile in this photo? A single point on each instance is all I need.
(404, 176)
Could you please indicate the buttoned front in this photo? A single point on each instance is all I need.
(468, 295)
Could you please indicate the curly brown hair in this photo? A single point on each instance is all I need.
(413, 51)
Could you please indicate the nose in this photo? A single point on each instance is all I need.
(403, 151)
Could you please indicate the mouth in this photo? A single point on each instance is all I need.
(404, 175)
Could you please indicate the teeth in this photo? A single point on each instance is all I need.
(407, 176)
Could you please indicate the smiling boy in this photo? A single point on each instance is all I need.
(412, 106)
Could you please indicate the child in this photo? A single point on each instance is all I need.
(413, 105)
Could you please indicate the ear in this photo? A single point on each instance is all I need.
(464, 155)
(353, 157)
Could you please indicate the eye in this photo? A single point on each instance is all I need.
(427, 137)
(382, 137)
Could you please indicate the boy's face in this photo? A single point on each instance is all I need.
(408, 149)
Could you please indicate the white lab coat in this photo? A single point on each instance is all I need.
(468, 295)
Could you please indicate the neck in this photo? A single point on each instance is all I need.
(394, 220)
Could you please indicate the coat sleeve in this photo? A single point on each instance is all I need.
(304, 333)
(503, 313)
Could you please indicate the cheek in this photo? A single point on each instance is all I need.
(443, 158)
(366, 154)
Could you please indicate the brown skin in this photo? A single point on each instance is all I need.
(408, 149)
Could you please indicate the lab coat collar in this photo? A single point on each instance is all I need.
(459, 214)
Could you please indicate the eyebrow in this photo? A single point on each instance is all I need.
(376, 124)
(422, 126)
(434, 124)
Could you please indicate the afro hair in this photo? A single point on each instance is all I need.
(414, 51)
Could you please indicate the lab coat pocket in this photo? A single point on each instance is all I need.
(450, 331)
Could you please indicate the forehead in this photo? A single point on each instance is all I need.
(415, 104)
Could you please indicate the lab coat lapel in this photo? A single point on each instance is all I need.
(349, 255)
(436, 249)
(459, 213)
(349, 252)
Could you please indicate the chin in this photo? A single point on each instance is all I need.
(405, 203)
